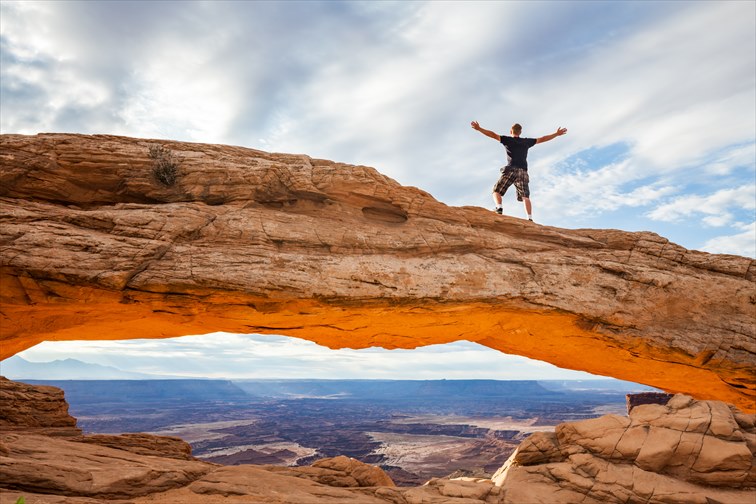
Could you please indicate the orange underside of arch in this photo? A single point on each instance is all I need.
(558, 338)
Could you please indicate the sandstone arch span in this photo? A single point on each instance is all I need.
(94, 247)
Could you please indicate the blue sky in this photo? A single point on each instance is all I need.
(659, 97)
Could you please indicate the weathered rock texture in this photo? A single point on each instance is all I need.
(95, 247)
(43, 410)
(143, 444)
(38, 409)
(685, 452)
(633, 400)
(43, 464)
(338, 472)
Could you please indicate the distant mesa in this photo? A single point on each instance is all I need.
(96, 246)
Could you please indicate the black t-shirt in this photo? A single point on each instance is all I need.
(517, 150)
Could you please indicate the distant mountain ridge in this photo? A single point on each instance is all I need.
(82, 392)
(18, 368)
(392, 389)
(418, 392)
(73, 370)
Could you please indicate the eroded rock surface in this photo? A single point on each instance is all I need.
(143, 444)
(43, 464)
(339, 472)
(35, 408)
(93, 246)
(685, 452)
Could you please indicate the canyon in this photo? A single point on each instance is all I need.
(96, 244)
(413, 430)
(681, 451)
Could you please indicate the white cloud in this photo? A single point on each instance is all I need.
(717, 207)
(224, 355)
(177, 93)
(587, 191)
(738, 156)
(743, 243)
(673, 89)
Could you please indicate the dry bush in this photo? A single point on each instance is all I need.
(164, 165)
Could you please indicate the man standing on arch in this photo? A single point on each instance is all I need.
(516, 170)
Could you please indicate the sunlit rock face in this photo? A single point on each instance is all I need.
(683, 452)
(95, 246)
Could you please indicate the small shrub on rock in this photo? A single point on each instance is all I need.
(164, 164)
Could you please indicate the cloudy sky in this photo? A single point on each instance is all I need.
(659, 97)
(223, 355)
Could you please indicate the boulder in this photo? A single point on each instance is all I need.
(364, 475)
(683, 452)
(338, 471)
(143, 444)
(54, 465)
(37, 408)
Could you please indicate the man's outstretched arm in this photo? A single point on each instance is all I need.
(559, 132)
(486, 132)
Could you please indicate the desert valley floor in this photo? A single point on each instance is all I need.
(414, 430)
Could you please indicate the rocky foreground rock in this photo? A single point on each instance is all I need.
(96, 242)
(685, 452)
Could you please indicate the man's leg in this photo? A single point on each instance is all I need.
(523, 191)
(500, 188)
(497, 200)
(528, 207)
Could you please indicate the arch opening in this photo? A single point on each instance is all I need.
(264, 399)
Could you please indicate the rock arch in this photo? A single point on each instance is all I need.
(94, 247)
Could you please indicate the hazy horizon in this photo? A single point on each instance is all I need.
(236, 356)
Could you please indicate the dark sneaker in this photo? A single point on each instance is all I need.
(531, 220)
(498, 210)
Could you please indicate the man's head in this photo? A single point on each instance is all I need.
(516, 130)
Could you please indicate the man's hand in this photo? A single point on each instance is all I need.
(559, 132)
(491, 134)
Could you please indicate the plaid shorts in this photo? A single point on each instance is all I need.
(516, 176)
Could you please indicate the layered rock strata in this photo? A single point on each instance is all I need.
(35, 408)
(43, 410)
(683, 452)
(94, 246)
(143, 444)
(52, 465)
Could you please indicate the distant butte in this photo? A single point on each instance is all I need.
(94, 246)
